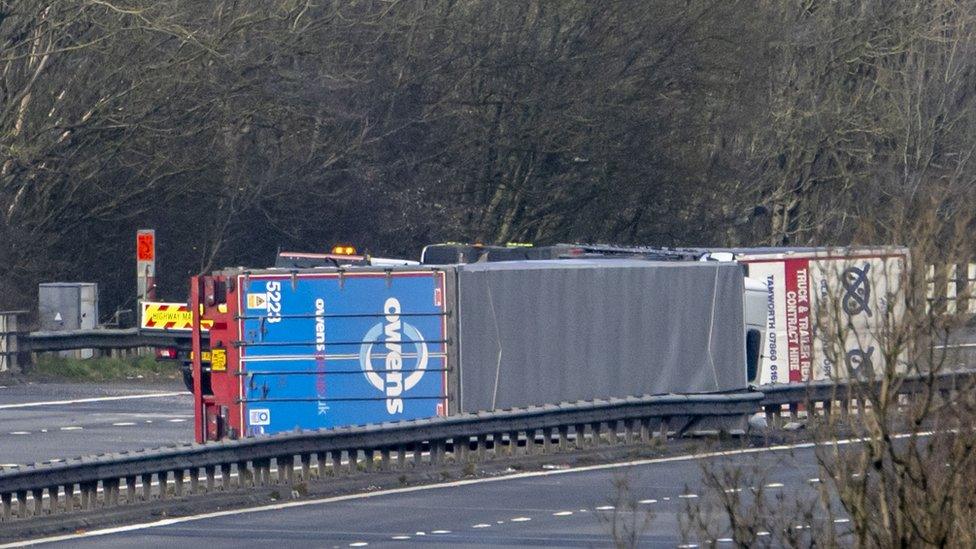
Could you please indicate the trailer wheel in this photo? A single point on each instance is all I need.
(187, 378)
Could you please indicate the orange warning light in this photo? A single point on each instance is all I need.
(343, 249)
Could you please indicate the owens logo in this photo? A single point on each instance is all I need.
(394, 334)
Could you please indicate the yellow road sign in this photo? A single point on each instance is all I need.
(168, 316)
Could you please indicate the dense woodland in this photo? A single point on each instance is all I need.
(236, 127)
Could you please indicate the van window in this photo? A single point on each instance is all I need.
(753, 342)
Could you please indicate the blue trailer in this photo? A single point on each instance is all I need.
(329, 349)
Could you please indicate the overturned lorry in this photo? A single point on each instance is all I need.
(334, 346)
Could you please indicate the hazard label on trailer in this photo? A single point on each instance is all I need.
(168, 316)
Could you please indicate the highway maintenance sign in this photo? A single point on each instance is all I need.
(157, 315)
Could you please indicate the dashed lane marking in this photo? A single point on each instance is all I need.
(774, 485)
(482, 525)
(647, 501)
(123, 424)
(72, 428)
(20, 432)
(521, 519)
(605, 508)
(453, 484)
(562, 514)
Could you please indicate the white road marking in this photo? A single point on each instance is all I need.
(732, 490)
(666, 499)
(453, 484)
(762, 533)
(440, 531)
(688, 496)
(605, 508)
(521, 519)
(7, 465)
(359, 544)
(123, 424)
(841, 520)
(72, 428)
(688, 546)
(562, 514)
(646, 501)
(774, 485)
(724, 540)
(43, 430)
(400, 537)
(87, 400)
(19, 432)
(814, 481)
(954, 346)
(420, 534)
(482, 525)
(176, 420)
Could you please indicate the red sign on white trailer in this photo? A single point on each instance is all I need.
(855, 289)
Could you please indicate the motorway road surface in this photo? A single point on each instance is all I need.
(547, 508)
(45, 421)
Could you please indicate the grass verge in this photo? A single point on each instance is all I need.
(102, 369)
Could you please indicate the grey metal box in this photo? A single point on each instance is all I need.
(68, 306)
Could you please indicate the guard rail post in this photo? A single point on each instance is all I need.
(10, 336)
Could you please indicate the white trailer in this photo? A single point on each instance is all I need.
(819, 299)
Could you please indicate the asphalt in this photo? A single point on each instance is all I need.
(48, 421)
(560, 509)
(568, 509)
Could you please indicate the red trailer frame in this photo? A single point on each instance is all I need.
(213, 298)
